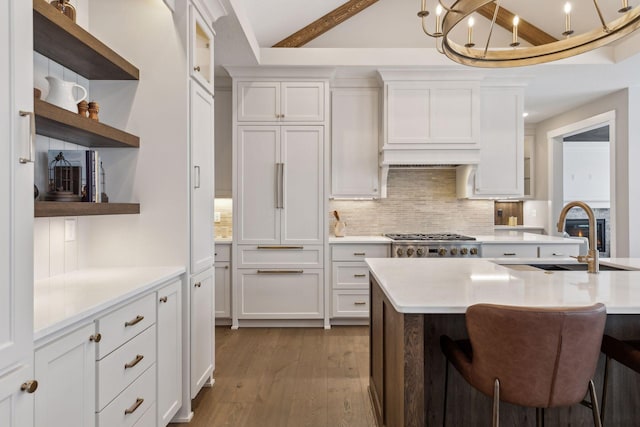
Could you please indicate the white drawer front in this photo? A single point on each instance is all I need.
(359, 252)
(509, 251)
(350, 304)
(559, 251)
(350, 275)
(125, 323)
(148, 419)
(280, 294)
(123, 366)
(222, 253)
(280, 256)
(132, 403)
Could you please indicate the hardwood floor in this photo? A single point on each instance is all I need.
(288, 377)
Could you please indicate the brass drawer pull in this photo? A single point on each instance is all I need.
(95, 338)
(359, 275)
(359, 303)
(163, 299)
(198, 284)
(135, 321)
(509, 254)
(557, 254)
(29, 386)
(134, 362)
(280, 271)
(359, 254)
(280, 247)
(133, 407)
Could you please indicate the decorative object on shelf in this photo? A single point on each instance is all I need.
(340, 227)
(61, 94)
(37, 93)
(65, 8)
(65, 178)
(93, 110)
(543, 48)
(83, 108)
(103, 195)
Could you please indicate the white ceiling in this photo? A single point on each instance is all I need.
(388, 34)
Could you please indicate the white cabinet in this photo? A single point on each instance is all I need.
(223, 281)
(432, 113)
(66, 374)
(169, 357)
(530, 250)
(585, 173)
(501, 168)
(202, 330)
(223, 146)
(200, 50)
(270, 101)
(350, 278)
(529, 189)
(354, 143)
(16, 214)
(280, 184)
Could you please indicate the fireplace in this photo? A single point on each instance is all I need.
(580, 228)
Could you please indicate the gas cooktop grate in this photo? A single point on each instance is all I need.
(429, 236)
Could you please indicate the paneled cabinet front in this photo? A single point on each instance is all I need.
(280, 180)
(269, 101)
(201, 50)
(202, 330)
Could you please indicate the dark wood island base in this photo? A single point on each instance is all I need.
(407, 368)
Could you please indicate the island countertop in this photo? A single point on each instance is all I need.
(448, 285)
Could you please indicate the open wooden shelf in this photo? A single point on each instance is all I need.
(59, 38)
(56, 122)
(49, 209)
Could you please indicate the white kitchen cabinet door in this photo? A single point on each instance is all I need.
(302, 185)
(271, 101)
(258, 156)
(201, 50)
(585, 173)
(258, 101)
(223, 290)
(202, 186)
(354, 143)
(16, 213)
(501, 168)
(223, 145)
(169, 355)
(302, 102)
(66, 374)
(202, 330)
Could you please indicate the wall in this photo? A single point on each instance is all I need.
(420, 200)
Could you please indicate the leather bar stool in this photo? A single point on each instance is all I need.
(532, 357)
(625, 352)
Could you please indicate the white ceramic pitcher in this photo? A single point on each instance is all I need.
(61, 94)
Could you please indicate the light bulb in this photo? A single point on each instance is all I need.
(516, 20)
(438, 10)
(567, 8)
(471, 22)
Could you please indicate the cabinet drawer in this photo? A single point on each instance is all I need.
(125, 323)
(350, 275)
(509, 251)
(274, 256)
(559, 251)
(123, 366)
(222, 253)
(358, 252)
(350, 304)
(148, 419)
(132, 403)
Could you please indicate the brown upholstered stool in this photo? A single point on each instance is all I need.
(532, 357)
(625, 352)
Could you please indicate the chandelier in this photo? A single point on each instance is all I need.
(513, 54)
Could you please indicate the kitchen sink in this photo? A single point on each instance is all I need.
(573, 267)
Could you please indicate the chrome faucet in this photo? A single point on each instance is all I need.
(592, 257)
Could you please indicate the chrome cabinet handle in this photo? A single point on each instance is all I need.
(359, 275)
(29, 386)
(95, 338)
(198, 284)
(280, 271)
(279, 247)
(32, 135)
(163, 299)
(197, 177)
(135, 321)
(133, 407)
(282, 184)
(134, 362)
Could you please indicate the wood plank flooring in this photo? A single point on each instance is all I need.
(288, 377)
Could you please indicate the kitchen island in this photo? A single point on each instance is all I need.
(415, 301)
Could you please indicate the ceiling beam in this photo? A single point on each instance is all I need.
(324, 24)
(526, 31)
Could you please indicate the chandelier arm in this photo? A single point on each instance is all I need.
(493, 22)
(440, 49)
(447, 8)
(605, 28)
(424, 28)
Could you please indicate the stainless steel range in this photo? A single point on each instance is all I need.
(418, 245)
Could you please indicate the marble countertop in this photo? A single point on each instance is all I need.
(359, 239)
(518, 227)
(223, 240)
(63, 300)
(449, 285)
(524, 238)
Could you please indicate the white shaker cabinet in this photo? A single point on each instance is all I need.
(223, 281)
(202, 330)
(269, 101)
(201, 50)
(66, 373)
(223, 147)
(169, 355)
(16, 214)
(354, 143)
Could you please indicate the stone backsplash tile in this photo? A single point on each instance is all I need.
(419, 200)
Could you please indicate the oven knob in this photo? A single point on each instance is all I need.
(409, 251)
(442, 251)
(400, 252)
(420, 252)
(464, 251)
(474, 251)
(454, 251)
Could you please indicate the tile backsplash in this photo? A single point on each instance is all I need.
(419, 200)
(223, 228)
